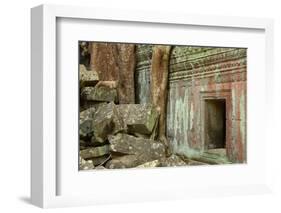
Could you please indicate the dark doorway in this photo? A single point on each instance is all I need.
(215, 123)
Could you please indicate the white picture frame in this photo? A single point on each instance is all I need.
(45, 171)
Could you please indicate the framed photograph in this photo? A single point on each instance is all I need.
(130, 106)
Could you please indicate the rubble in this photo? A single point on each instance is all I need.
(85, 164)
(85, 129)
(83, 144)
(89, 112)
(101, 92)
(172, 161)
(84, 105)
(126, 161)
(87, 77)
(144, 149)
(85, 120)
(151, 164)
(116, 135)
(139, 118)
(100, 167)
(100, 160)
(94, 152)
(106, 121)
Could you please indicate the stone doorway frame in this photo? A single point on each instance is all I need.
(216, 95)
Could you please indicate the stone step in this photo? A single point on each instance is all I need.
(213, 156)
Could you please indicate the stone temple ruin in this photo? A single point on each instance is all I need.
(161, 105)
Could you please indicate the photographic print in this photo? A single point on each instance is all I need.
(153, 105)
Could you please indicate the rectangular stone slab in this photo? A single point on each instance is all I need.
(89, 112)
(87, 77)
(100, 160)
(94, 152)
(106, 121)
(172, 161)
(138, 118)
(126, 161)
(85, 128)
(86, 119)
(145, 149)
(103, 91)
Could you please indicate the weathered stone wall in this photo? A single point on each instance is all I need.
(142, 74)
(195, 75)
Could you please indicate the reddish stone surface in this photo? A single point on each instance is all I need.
(214, 76)
(180, 82)
(116, 62)
(159, 85)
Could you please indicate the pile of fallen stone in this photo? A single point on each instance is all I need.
(116, 135)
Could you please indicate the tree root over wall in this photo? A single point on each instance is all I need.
(159, 87)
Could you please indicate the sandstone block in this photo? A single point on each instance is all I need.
(87, 77)
(126, 161)
(85, 120)
(101, 92)
(94, 152)
(151, 164)
(85, 164)
(144, 149)
(172, 161)
(106, 121)
(98, 161)
(139, 118)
